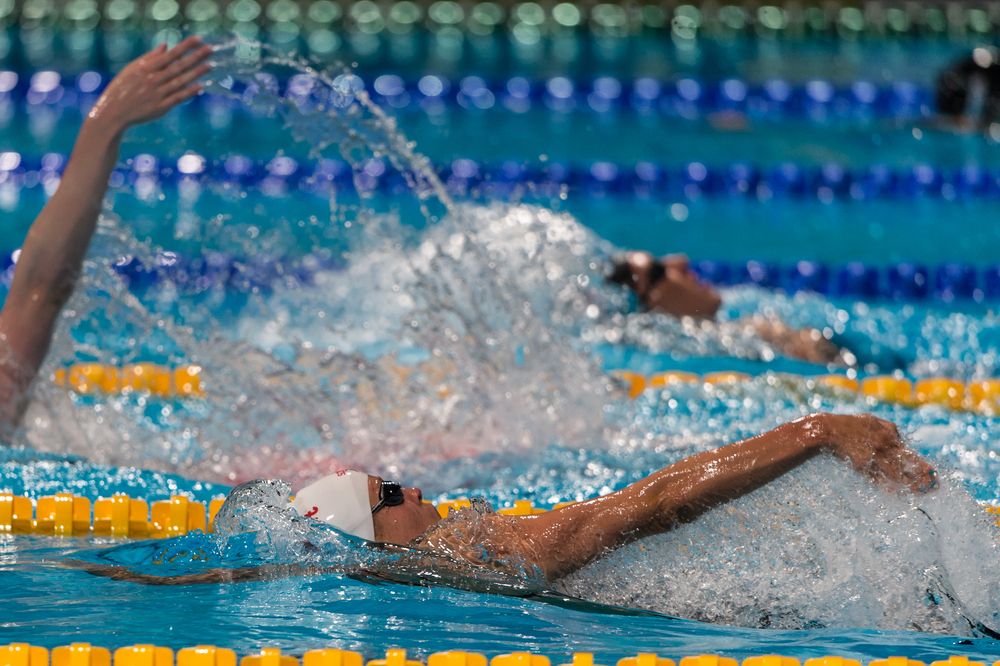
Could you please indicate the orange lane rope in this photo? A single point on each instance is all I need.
(978, 396)
(121, 516)
(87, 378)
(84, 654)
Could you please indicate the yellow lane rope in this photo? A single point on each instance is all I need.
(977, 396)
(159, 380)
(84, 654)
(66, 514)
(121, 516)
(185, 382)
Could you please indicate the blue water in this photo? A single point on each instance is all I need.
(577, 54)
(487, 314)
(450, 131)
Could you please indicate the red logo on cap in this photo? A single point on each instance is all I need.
(312, 512)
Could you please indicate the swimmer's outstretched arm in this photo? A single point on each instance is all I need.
(207, 577)
(566, 539)
(53, 251)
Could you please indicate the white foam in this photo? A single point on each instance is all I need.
(819, 547)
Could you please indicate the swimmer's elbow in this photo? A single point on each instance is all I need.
(55, 289)
(42, 290)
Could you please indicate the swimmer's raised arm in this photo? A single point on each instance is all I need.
(53, 251)
(566, 539)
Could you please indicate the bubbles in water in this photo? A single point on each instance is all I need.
(436, 347)
(820, 547)
(425, 349)
(252, 506)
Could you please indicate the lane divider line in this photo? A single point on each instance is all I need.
(981, 396)
(120, 516)
(163, 381)
(820, 100)
(84, 654)
(123, 517)
(277, 177)
(520, 22)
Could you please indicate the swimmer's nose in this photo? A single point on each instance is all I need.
(416, 494)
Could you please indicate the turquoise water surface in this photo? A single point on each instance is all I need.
(461, 343)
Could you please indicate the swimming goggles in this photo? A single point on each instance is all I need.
(657, 273)
(389, 494)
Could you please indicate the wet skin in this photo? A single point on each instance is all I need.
(560, 541)
(57, 241)
(403, 523)
(681, 293)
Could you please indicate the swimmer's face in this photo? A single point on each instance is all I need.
(669, 285)
(403, 523)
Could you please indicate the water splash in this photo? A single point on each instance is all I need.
(466, 342)
(323, 111)
(259, 536)
(819, 548)
(397, 361)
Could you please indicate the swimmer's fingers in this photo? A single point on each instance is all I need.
(182, 96)
(151, 58)
(181, 66)
(168, 57)
(185, 80)
(903, 468)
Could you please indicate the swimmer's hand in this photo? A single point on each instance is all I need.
(807, 344)
(151, 85)
(874, 447)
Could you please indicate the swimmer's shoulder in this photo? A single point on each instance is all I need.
(483, 538)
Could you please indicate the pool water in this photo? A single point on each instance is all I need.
(461, 344)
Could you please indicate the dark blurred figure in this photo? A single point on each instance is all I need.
(968, 92)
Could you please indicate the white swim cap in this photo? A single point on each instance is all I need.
(341, 500)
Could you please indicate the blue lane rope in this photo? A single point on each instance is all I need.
(687, 97)
(689, 181)
(904, 281)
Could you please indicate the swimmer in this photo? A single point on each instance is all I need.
(669, 286)
(561, 541)
(968, 91)
(52, 255)
(556, 543)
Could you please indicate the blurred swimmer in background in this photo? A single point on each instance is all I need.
(668, 285)
(968, 91)
(52, 255)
